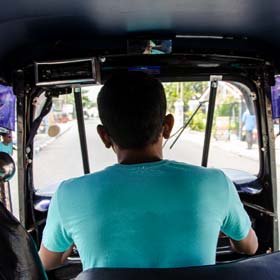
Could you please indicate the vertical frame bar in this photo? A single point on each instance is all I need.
(18, 84)
(209, 123)
(81, 127)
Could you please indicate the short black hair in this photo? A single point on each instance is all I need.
(132, 107)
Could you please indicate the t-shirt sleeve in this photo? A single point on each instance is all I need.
(236, 223)
(55, 237)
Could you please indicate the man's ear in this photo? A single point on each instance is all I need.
(104, 136)
(167, 126)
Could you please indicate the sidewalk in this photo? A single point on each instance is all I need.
(42, 140)
(236, 147)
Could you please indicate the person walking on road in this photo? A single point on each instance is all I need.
(249, 123)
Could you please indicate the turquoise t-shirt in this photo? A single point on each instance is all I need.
(160, 214)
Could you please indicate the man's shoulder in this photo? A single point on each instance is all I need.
(195, 168)
(204, 176)
(84, 181)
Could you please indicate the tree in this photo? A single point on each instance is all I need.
(191, 90)
(187, 91)
(87, 103)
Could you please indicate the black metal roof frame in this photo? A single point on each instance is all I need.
(32, 30)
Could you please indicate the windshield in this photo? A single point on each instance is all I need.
(233, 144)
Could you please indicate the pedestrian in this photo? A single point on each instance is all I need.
(6, 145)
(249, 123)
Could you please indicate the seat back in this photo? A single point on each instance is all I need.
(264, 267)
(18, 255)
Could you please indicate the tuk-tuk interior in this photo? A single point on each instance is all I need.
(68, 46)
(254, 187)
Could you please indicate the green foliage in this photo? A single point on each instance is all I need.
(198, 122)
(228, 106)
(224, 110)
(191, 90)
(69, 99)
(234, 125)
(87, 103)
(186, 91)
(229, 109)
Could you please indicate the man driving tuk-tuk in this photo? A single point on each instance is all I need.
(211, 199)
(145, 211)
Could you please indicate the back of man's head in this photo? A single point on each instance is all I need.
(132, 107)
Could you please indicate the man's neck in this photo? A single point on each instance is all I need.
(149, 153)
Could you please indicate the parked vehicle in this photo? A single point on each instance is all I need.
(61, 117)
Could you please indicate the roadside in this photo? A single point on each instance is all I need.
(235, 146)
(42, 140)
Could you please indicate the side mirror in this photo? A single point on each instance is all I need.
(7, 171)
(53, 130)
(7, 167)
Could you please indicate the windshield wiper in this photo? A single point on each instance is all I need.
(181, 130)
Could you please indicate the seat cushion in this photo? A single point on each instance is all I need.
(263, 267)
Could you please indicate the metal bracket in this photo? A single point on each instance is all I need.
(265, 143)
(253, 96)
(216, 78)
(260, 209)
(56, 92)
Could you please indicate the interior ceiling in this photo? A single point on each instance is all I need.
(35, 23)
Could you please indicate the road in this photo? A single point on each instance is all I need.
(62, 158)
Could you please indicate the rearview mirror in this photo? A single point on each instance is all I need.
(140, 46)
